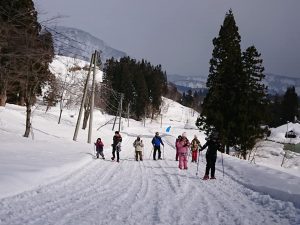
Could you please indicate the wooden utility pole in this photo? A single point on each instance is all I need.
(128, 109)
(120, 112)
(116, 117)
(83, 99)
(92, 100)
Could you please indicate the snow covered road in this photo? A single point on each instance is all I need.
(148, 192)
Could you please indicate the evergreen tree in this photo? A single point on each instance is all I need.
(274, 111)
(253, 101)
(220, 104)
(235, 105)
(141, 83)
(289, 105)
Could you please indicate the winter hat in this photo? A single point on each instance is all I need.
(195, 136)
(183, 134)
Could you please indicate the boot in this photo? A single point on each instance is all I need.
(206, 177)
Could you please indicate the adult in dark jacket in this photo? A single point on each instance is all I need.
(116, 145)
(213, 145)
(156, 142)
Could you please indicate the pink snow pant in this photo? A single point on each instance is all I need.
(182, 161)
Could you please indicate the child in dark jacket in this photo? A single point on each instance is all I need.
(99, 148)
(116, 145)
(156, 142)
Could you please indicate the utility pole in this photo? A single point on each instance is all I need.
(128, 109)
(120, 112)
(116, 117)
(83, 99)
(92, 98)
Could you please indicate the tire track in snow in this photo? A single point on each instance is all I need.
(148, 192)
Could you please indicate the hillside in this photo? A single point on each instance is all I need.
(276, 83)
(50, 179)
(79, 44)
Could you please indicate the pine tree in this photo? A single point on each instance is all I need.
(253, 101)
(235, 105)
(141, 83)
(289, 105)
(220, 104)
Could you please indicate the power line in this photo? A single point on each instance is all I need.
(4, 12)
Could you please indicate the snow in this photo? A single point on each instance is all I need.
(51, 179)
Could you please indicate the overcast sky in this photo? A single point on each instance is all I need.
(178, 33)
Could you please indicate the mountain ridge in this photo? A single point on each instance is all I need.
(276, 83)
(77, 43)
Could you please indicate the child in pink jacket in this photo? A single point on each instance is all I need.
(183, 145)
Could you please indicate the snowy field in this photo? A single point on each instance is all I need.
(50, 179)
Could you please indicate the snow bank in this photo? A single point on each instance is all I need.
(277, 184)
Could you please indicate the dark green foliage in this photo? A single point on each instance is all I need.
(141, 83)
(192, 100)
(253, 101)
(235, 103)
(219, 106)
(289, 105)
(274, 111)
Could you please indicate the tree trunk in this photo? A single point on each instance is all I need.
(3, 96)
(86, 117)
(227, 149)
(60, 116)
(3, 99)
(28, 116)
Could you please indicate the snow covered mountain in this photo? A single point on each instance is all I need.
(276, 83)
(79, 44)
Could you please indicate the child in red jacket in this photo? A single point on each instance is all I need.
(99, 148)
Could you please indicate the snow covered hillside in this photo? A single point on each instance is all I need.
(77, 43)
(276, 83)
(50, 179)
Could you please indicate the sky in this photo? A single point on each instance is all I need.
(178, 34)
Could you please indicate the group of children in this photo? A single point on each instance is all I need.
(182, 145)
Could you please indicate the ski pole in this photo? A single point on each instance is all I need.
(222, 163)
(198, 164)
(151, 153)
(201, 156)
(163, 152)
